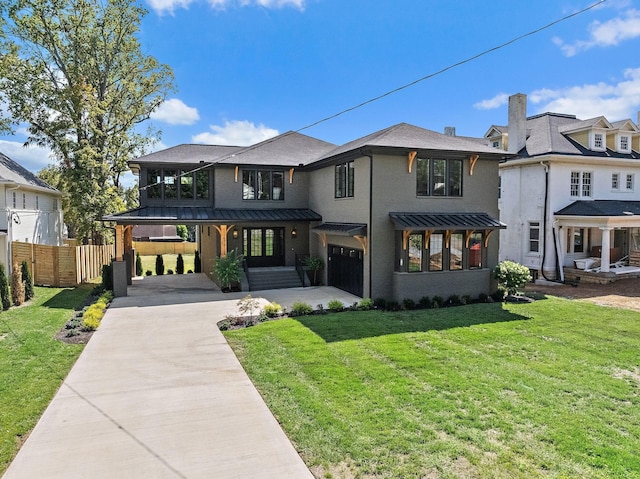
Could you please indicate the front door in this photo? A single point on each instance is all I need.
(263, 246)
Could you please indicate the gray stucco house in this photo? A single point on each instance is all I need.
(402, 213)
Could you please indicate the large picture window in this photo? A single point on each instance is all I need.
(173, 184)
(442, 251)
(581, 182)
(262, 185)
(438, 177)
(344, 180)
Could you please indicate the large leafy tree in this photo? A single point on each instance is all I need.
(74, 72)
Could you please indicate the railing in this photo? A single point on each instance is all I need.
(300, 260)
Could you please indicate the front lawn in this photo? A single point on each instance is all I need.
(548, 389)
(33, 363)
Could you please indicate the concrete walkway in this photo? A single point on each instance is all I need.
(158, 393)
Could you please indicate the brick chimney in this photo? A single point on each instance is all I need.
(517, 122)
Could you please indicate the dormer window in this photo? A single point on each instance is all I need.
(624, 144)
(597, 141)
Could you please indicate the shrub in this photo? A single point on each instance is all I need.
(393, 306)
(408, 304)
(181, 230)
(107, 277)
(4, 288)
(300, 309)
(380, 303)
(454, 300)
(436, 302)
(29, 292)
(197, 263)
(190, 272)
(138, 265)
(248, 305)
(224, 325)
(320, 309)
(482, 297)
(180, 264)
(424, 302)
(17, 286)
(228, 269)
(335, 305)
(466, 299)
(365, 304)
(169, 271)
(272, 310)
(90, 324)
(159, 265)
(148, 272)
(511, 276)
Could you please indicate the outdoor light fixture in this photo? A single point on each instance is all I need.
(294, 232)
(235, 234)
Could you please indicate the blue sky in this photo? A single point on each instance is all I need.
(247, 70)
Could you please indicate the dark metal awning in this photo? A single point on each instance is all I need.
(197, 214)
(444, 221)
(341, 229)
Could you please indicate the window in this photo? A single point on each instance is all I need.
(581, 183)
(415, 252)
(577, 239)
(37, 202)
(496, 144)
(15, 201)
(435, 252)
(629, 181)
(475, 250)
(534, 237)
(598, 141)
(438, 177)
(170, 184)
(344, 180)
(154, 182)
(202, 185)
(624, 143)
(262, 185)
(186, 185)
(24, 201)
(615, 181)
(456, 249)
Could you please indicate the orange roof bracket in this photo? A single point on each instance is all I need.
(467, 237)
(473, 159)
(323, 237)
(291, 175)
(427, 237)
(487, 233)
(405, 239)
(223, 230)
(410, 158)
(447, 238)
(363, 242)
(236, 174)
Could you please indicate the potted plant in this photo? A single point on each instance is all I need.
(228, 270)
(314, 264)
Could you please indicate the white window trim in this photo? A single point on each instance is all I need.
(538, 226)
(592, 140)
(616, 188)
(581, 184)
(626, 181)
(619, 147)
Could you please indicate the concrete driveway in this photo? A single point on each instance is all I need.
(158, 393)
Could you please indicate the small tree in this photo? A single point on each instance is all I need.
(181, 230)
(180, 265)
(511, 276)
(315, 264)
(197, 264)
(107, 277)
(4, 288)
(228, 269)
(29, 292)
(138, 265)
(159, 265)
(17, 286)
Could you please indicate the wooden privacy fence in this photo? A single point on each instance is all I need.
(62, 266)
(148, 248)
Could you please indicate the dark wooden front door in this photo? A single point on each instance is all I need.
(263, 246)
(346, 269)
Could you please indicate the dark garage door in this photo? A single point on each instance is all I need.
(346, 269)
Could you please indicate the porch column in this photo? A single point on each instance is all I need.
(223, 230)
(119, 240)
(605, 257)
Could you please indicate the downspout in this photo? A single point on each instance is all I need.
(544, 230)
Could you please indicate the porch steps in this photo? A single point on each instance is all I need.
(273, 278)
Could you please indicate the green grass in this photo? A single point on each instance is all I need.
(170, 260)
(33, 363)
(549, 389)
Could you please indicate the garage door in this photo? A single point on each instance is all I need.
(346, 269)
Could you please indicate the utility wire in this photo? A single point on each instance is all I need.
(391, 92)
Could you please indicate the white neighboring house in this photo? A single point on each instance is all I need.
(572, 192)
(32, 209)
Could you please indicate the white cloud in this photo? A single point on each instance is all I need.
(615, 101)
(605, 34)
(238, 133)
(175, 112)
(492, 103)
(169, 6)
(33, 158)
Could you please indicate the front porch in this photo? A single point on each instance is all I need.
(575, 275)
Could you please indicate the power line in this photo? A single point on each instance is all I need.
(395, 90)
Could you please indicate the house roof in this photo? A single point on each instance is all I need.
(438, 221)
(12, 172)
(580, 125)
(188, 154)
(288, 149)
(413, 137)
(342, 229)
(201, 214)
(601, 208)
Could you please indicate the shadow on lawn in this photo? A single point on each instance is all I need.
(70, 298)
(369, 324)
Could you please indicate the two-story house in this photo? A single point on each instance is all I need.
(570, 196)
(402, 213)
(32, 209)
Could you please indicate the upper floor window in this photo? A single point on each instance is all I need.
(438, 177)
(598, 141)
(37, 202)
(345, 173)
(262, 185)
(14, 200)
(581, 183)
(177, 184)
(24, 201)
(629, 183)
(624, 144)
(615, 181)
